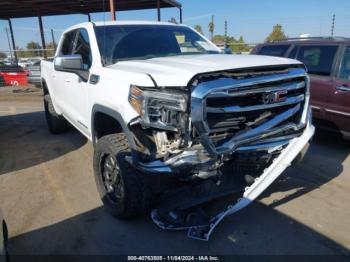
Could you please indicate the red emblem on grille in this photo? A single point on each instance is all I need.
(275, 97)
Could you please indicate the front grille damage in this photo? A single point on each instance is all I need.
(240, 124)
(230, 112)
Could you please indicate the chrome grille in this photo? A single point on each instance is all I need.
(228, 113)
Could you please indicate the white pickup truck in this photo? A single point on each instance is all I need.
(175, 123)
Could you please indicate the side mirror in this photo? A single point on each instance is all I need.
(71, 64)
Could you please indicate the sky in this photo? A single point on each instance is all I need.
(252, 19)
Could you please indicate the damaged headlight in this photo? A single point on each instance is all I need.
(159, 109)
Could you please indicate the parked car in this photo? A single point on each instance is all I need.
(34, 75)
(3, 238)
(13, 75)
(161, 102)
(328, 63)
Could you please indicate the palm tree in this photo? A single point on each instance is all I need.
(211, 27)
(198, 28)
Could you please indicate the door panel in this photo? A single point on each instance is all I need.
(319, 60)
(340, 98)
(321, 89)
(77, 89)
(60, 78)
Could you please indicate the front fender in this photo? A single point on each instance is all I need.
(118, 117)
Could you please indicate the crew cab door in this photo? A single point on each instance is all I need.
(76, 88)
(339, 110)
(60, 78)
(320, 61)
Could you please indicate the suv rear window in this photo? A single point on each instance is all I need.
(318, 59)
(274, 50)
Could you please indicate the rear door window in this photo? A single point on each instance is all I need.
(274, 50)
(318, 59)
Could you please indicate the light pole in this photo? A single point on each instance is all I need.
(8, 40)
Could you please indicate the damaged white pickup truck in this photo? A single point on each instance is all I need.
(175, 123)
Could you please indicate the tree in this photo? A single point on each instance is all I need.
(277, 34)
(20, 52)
(3, 55)
(198, 28)
(32, 46)
(239, 45)
(211, 27)
(52, 49)
(218, 38)
(173, 20)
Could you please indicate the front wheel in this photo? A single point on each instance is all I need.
(122, 189)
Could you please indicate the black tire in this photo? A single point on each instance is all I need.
(123, 190)
(56, 123)
(3, 241)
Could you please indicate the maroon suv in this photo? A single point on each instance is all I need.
(328, 63)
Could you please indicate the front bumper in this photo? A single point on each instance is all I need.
(283, 161)
(273, 134)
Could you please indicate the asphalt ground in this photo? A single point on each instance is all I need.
(50, 202)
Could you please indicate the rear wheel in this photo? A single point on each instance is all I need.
(56, 123)
(122, 188)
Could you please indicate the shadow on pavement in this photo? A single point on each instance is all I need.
(25, 142)
(322, 163)
(257, 230)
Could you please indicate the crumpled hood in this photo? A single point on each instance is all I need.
(179, 70)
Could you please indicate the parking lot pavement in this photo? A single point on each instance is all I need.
(48, 195)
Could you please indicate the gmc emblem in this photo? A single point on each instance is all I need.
(275, 97)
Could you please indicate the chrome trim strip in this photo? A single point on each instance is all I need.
(337, 112)
(343, 88)
(262, 147)
(235, 109)
(203, 89)
(283, 87)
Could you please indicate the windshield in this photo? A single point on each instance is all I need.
(140, 42)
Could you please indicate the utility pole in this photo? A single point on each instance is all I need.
(225, 32)
(212, 27)
(333, 24)
(8, 40)
(53, 39)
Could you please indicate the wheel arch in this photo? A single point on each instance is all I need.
(44, 86)
(100, 118)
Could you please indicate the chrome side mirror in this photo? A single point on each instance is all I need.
(68, 62)
(71, 64)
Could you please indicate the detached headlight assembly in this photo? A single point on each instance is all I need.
(159, 109)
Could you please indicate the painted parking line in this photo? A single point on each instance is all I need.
(68, 208)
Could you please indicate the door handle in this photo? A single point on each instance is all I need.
(67, 80)
(343, 88)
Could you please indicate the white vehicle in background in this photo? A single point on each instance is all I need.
(23, 62)
(175, 123)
